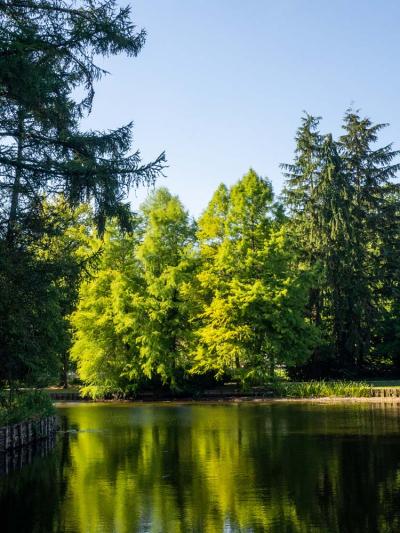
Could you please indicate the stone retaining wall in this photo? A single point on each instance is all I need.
(65, 396)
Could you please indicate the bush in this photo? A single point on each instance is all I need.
(25, 405)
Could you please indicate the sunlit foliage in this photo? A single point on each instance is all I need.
(253, 298)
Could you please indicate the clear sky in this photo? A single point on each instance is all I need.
(221, 84)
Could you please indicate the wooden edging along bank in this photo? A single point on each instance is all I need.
(385, 392)
(27, 432)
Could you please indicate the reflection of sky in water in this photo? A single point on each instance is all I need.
(280, 467)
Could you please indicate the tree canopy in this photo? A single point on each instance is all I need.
(306, 284)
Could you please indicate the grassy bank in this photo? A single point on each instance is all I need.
(321, 389)
(24, 405)
(280, 389)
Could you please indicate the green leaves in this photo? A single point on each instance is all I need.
(251, 299)
(48, 51)
(132, 322)
(255, 286)
(164, 304)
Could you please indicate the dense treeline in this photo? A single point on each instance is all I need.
(343, 204)
(306, 284)
(173, 299)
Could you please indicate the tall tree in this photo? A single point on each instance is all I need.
(102, 322)
(337, 253)
(48, 54)
(252, 316)
(371, 172)
(65, 244)
(132, 323)
(31, 319)
(339, 195)
(301, 202)
(167, 258)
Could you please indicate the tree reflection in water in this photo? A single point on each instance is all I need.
(208, 468)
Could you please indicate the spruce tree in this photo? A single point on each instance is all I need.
(370, 170)
(338, 254)
(301, 203)
(341, 200)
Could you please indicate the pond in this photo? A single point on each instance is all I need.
(239, 467)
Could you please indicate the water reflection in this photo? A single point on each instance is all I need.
(18, 458)
(210, 468)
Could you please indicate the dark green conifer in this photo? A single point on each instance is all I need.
(344, 215)
(47, 56)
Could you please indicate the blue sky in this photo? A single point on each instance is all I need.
(221, 84)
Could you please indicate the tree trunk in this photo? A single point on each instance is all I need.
(64, 371)
(272, 366)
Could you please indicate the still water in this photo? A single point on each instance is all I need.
(166, 468)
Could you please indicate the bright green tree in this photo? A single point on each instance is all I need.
(167, 260)
(102, 327)
(253, 299)
(132, 322)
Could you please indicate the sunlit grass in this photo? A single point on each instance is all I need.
(317, 389)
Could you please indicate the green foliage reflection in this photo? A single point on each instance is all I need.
(241, 467)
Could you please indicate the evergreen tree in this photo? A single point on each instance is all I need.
(31, 319)
(386, 333)
(65, 244)
(376, 225)
(132, 324)
(39, 290)
(301, 201)
(340, 197)
(167, 259)
(48, 54)
(337, 253)
(211, 225)
(302, 178)
(48, 51)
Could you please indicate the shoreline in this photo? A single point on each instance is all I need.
(244, 399)
(346, 391)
